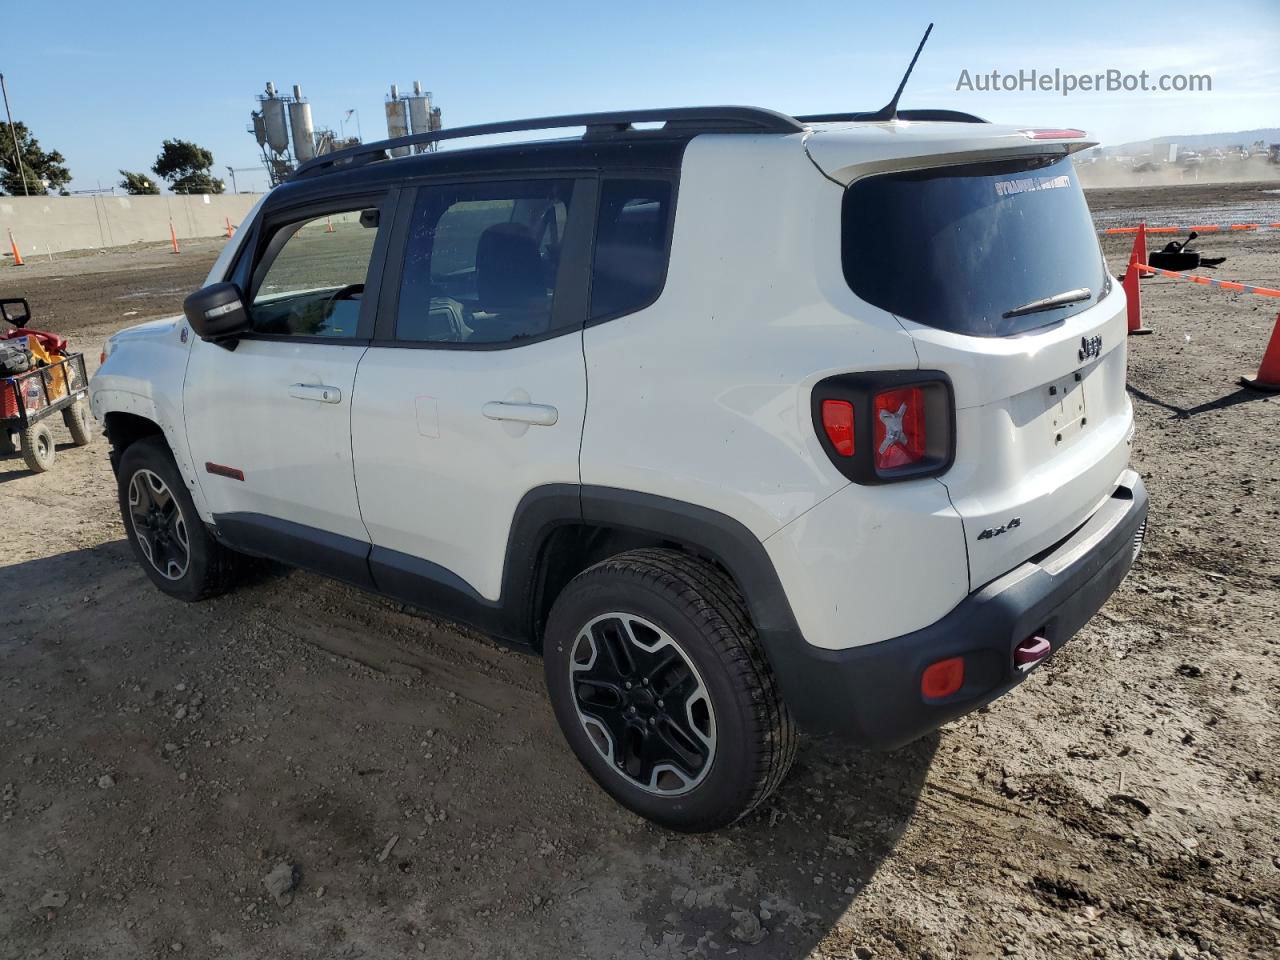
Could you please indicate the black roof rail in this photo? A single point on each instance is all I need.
(953, 116)
(678, 119)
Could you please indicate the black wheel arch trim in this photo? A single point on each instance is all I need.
(432, 587)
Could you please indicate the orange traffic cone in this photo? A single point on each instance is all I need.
(173, 237)
(17, 257)
(328, 225)
(1139, 253)
(228, 219)
(1268, 378)
(1133, 296)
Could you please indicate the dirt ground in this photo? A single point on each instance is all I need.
(158, 761)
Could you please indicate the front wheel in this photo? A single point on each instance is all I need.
(176, 551)
(661, 688)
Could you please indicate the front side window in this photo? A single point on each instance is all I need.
(481, 262)
(311, 279)
(630, 261)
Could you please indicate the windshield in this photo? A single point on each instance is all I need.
(963, 248)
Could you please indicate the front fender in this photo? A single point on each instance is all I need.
(143, 377)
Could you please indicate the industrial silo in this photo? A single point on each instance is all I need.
(397, 120)
(259, 129)
(420, 114)
(273, 119)
(304, 140)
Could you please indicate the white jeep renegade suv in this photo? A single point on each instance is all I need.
(748, 423)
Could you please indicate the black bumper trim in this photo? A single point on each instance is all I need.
(871, 694)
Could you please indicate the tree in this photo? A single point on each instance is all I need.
(43, 171)
(138, 184)
(186, 166)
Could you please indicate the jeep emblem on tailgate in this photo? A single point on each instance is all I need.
(1090, 347)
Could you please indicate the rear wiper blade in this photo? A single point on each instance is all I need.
(1049, 303)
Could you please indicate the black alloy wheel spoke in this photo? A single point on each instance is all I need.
(159, 525)
(642, 703)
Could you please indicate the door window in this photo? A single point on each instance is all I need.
(481, 262)
(311, 279)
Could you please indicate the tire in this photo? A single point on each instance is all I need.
(38, 449)
(79, 422)
(167, 536)
(637, 629)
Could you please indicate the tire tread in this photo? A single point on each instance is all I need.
(712, 600)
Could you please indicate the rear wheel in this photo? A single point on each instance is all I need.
(661, 688)
(37, 447)
(79, 422)
(179, 555)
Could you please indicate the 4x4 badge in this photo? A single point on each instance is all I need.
(1090, 347)
(990, 532)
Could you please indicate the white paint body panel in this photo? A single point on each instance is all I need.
(143, 376)
(1011, 462)
(704, 396)
(295, 453)
(439, 478)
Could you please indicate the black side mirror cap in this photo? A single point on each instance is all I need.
(16, 310)
(217, 312)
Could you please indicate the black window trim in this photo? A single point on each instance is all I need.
(569, 304)
(624, 173)
(271, 218)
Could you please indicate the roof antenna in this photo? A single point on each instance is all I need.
(890, 110)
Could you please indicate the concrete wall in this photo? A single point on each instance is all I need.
(40, 224)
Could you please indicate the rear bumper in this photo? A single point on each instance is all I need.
(871, 694)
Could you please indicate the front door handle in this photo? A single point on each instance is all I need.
(539, 414)
(315, 391)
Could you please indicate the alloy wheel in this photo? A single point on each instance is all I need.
(159, 525)
(643, 704)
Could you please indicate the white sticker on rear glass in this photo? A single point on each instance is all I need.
(1007, 188)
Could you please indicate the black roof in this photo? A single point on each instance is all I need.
(610, 139)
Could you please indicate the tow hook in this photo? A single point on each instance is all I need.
(1030, 652)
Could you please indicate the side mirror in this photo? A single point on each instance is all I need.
(16, 310)
(216, 312)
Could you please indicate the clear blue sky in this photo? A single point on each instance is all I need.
(105, 86)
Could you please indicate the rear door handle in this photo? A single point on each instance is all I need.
(315, 391)
(539, 414)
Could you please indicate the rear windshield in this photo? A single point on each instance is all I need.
(959, 247)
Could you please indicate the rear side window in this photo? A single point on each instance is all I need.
(630, 261)
(958, 248)
(481, 262)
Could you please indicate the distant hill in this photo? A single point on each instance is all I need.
(1201, 141)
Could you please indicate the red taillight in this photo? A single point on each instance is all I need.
(898, 422)
(943, 678)
(837, 421)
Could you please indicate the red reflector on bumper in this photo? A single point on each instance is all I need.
(943, 678)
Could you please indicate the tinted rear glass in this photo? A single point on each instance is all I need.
(631, 245)
(957, 247)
